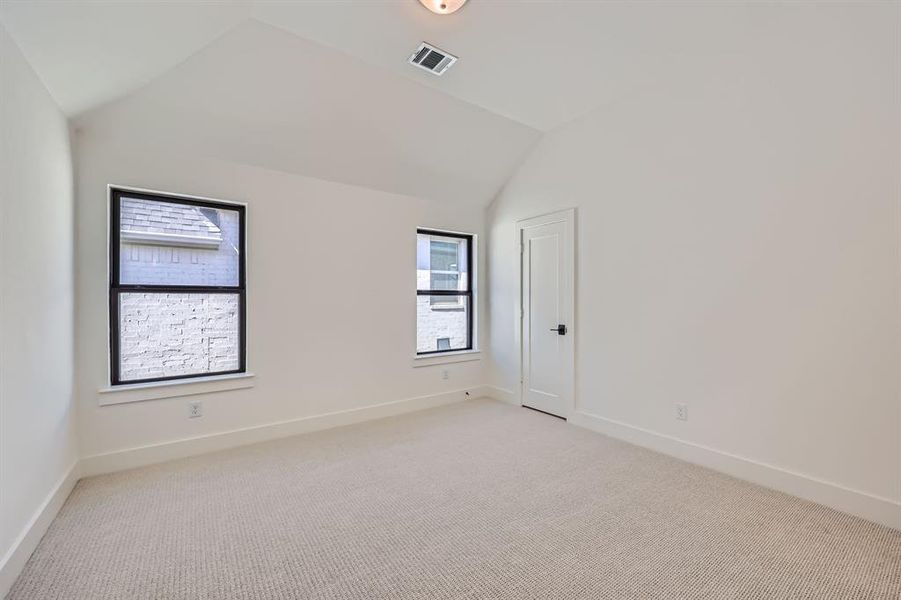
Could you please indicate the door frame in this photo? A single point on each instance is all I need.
(568, 218)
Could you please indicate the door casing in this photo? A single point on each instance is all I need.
(568, 218)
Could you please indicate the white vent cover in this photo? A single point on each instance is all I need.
(432, 59)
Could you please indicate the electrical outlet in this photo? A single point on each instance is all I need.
(445, 374)
(681, 411)
(195, 409)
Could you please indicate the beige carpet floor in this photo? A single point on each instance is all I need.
(475, 500)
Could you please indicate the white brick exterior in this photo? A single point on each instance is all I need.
(164, 335)
(433, 323)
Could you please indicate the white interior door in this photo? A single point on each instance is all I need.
(546, 315)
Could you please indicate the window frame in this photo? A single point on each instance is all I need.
(469, 293)
(116, 288)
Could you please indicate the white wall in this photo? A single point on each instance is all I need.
(37, 442)
(331, 293)
(738, 250)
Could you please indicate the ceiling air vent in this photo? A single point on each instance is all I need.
(432, 59)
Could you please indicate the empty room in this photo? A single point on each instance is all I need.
(449, 299)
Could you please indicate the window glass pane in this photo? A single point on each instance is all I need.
(171, 334)
(441, 263)
(442, 323)
(445, 256)
(444, 281)
(169, 243)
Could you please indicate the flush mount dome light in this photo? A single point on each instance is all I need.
(443, 7)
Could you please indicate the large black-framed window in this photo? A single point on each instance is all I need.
(177, 287)
(444, 292)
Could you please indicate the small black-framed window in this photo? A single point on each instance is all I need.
(444, 291)
(177, 293)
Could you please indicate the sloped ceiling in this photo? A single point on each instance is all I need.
(261, 96)
(322, 87)
(540, 63)
(88, 53)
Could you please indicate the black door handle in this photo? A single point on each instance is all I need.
(560, 329)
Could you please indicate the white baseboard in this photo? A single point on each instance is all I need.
(156, 453)
(11, 564)
(14, 560)
(874, 508)
(502, 394)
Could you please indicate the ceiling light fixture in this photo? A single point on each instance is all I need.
(443, 7)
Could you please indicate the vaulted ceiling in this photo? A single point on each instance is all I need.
(539, 63)
(261, 96)
(322, 87)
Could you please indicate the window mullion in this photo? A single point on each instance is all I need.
(443, 292)
(202, 232)
(180, 289)
(445, 321)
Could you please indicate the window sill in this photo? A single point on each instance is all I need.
(139, 392)
(446, 358)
